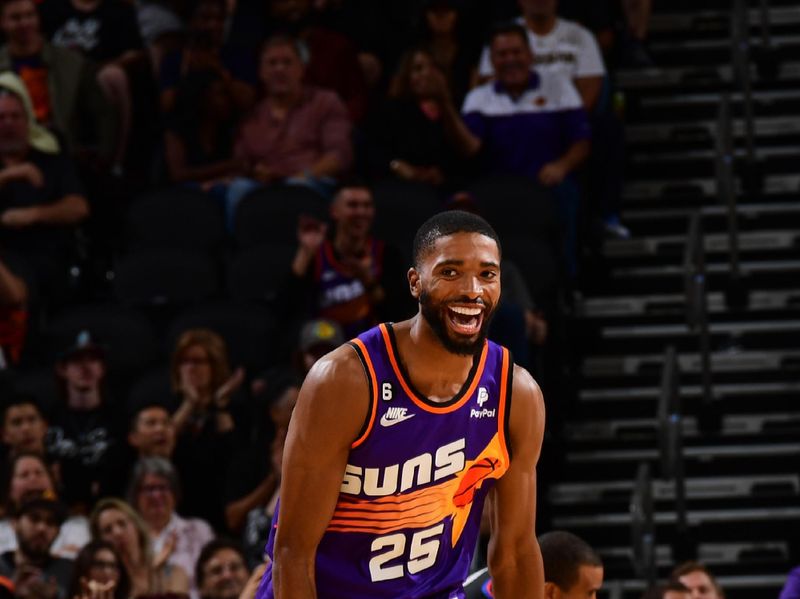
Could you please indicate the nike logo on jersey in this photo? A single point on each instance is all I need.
(394, 416)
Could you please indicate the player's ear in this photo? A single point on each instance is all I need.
(551, 591)
(414, 282)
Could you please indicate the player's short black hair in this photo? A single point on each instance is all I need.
(448, 223)
(563, 553)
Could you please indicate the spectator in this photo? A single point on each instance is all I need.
(443, 35)
(221, 571)
(572, 569)
(160, 27)
(99, 569)
(155, 493)
(698, 580)
(206, 50)
(115, 521)
(669, 590)
(199, 136)
(256, 509)
(297, 133)
(105, 32)
(406, 137)
(526, 123)
(62, 85)
(252, 484)
(24, 425)
(332, 60)
(41, 198)
(559, 46)
(634, 43)
(317, 338)
(13, 315)
(351, 278)
(152, 433)
(84, 435)
(204, 425)
(37, 572)
(29, 473)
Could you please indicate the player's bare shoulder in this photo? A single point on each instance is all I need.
(335, 392)
(527, 414)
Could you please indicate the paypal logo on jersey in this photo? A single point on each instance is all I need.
(481, 412)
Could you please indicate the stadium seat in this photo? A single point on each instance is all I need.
(177, 218)
(248, 329)
(40, 383)
(151, 387)
(165, 277)
(538, 262)
(515, 206)
(127, 335)
(258, 274)
(269, 215)
(400, 208)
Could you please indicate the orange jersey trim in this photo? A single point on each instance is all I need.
(414, 398)
(373, 382)
(504, 390)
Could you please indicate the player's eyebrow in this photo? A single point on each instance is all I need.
(456, 262)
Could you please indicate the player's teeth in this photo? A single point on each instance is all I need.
(466, 311)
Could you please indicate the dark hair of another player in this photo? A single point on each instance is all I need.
(448, 223)
(658, 592)
(563, 553)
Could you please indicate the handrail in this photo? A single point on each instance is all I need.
(726, 192)
(694, 264)
(670, 426)
(740, 36)
(643, 540)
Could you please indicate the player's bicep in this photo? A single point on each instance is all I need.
(514, 501)
(330, 412)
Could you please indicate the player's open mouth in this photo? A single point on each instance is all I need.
(465, 320)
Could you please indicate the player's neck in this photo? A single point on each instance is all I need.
(427, 359)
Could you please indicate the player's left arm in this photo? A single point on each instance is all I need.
(515, 561)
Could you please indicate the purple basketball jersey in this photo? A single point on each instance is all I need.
(409, 509)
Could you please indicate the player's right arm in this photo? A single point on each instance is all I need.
(330, 412)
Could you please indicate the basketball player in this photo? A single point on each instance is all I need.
(572, 570)
(399, 436)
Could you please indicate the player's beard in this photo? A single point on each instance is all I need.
(435, 314)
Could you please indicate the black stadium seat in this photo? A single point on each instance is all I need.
(269, 215)
(177, 218)
(248, 329)
(126, 333)
(400, 208)
(152, 387)
(259, 273)
(515, 206)
(165, 277)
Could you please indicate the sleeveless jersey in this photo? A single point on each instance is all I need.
(408, 514)
(341, 297)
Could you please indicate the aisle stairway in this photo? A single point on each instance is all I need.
(743, 481)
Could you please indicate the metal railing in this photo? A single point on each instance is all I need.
(694, 267)
(670, 435)
(643, 534)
